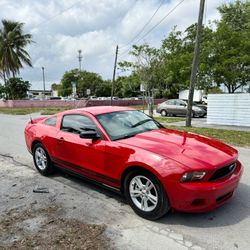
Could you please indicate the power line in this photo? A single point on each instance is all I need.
(58, 14)
(170, 12)
(145, 25)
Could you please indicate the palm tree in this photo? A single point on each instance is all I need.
(12, 48)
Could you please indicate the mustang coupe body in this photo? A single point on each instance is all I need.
(154, 167)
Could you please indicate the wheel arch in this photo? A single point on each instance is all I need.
(133, 168)
(34, 143)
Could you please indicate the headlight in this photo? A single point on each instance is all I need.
(193, 176)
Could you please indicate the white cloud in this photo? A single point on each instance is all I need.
(61, 27)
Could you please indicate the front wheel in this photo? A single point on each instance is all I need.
(42, 160)
(146, 195)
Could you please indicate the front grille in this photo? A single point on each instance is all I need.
(223, 172)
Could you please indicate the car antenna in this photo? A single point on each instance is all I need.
(31, 121)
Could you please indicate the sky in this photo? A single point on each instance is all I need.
(60, 28)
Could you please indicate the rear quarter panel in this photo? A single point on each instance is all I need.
(38, 131)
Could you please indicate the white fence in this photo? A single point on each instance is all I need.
(229, 109)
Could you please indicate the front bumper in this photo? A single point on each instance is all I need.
(204, 196)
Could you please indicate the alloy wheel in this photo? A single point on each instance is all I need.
(41, 158)
(143, 193)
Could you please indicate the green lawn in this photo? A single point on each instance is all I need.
(43, 111)
(25, 111)
(232, 137)
(169, 119)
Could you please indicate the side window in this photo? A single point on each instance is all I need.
(51, 121)
(77, 123)
(171, 102)
(178, 102)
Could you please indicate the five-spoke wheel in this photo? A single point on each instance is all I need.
(146, 195)
(42, 160)
(143, 193)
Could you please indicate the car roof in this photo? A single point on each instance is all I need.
(98, 110)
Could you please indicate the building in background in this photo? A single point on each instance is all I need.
(38, 94)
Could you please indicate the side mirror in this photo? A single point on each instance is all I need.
(89, 135)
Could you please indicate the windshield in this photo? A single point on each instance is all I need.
(125, 124)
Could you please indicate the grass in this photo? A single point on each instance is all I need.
(169, 119)
(52, 111)
(232, 137)
(25, 111)
(43, 111)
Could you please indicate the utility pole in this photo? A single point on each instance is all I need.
(113, 80)
(80, 59)
(195, 64)
(43, 83)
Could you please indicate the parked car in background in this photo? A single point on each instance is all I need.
(178, 107)
(157, 169)
(55, 98)
(198, 104)
(204, 99)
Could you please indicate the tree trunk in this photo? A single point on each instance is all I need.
(150, 105)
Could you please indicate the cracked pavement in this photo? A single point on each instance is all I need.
(224, 228)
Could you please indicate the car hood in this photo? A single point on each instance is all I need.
(189, 149)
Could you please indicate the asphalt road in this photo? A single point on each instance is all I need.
(224, 228)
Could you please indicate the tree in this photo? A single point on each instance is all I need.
(177, 52)
(145, 66)
(88, 80)
(104, 89)
(2, 93)
(13, 42)
(84, 80)
(55, 86)
(127, 86)
(16, 88)
(231, 46)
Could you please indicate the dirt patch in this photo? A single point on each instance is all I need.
(44, 229)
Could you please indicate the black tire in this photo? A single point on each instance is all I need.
(164, 112)
(44, 169)
(193, 114)
(162, 205)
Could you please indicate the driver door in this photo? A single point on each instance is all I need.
(83, 156)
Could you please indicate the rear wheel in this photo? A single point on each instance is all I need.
(42, 160)
(146, 195)
(164, 112)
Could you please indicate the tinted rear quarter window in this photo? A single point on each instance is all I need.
(51, 121)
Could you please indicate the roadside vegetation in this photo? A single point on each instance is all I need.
(26, 111)
(169, 119)
(164, 71)
(47, 111)
(232, 137)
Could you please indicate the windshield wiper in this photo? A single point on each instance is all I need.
(141, 122)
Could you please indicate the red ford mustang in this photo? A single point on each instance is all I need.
(156, 168)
